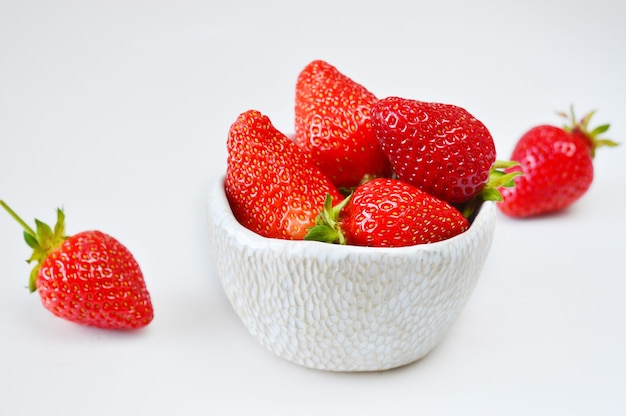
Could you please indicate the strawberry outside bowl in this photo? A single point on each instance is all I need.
(346, 308)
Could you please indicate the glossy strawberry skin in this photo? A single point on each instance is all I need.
(440, 148)
(273, 187)
(391, 213)
(93, 279)
(557, 167)
(332, 124)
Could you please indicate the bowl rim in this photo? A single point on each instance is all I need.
(219, 209)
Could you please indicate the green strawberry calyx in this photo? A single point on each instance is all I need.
(500, 176)
(327, 228)
(43, 240)
(582, 127)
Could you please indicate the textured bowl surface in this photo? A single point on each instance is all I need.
(346, 308)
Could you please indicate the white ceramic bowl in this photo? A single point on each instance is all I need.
(346, 308)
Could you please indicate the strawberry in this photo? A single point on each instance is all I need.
(386, 212)
(332, 124)
(440, 148)
(557, 166)
(273, 186)
(88, 278)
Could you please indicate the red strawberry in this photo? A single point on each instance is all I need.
(440, 148)
(557, 164)
(89, 278)
(332, 123)
(273, 187)
(387, 212)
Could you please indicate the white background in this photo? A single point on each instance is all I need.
(118, 111)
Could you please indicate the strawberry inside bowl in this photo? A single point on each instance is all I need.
(341, 307)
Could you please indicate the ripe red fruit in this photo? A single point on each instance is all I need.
(557, 166)
(89, 278)
(273, 187)
(332, 124)
(387, 212)
(440, 148)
